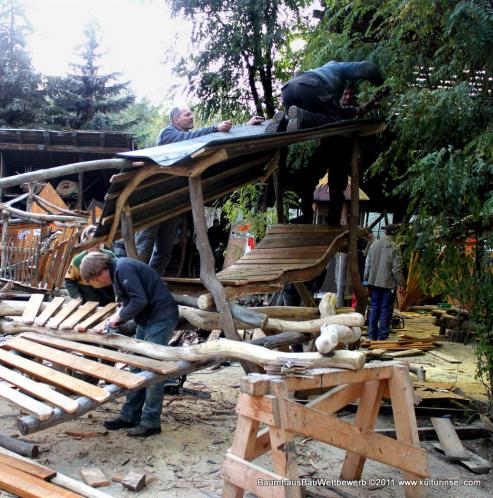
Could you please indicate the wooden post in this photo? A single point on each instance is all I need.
(5, 228)
(278, 186)
(207, 267)
(2, 171)
(128, 234)
(80, 193)
(360, 292)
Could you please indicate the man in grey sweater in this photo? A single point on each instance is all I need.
(154, 244)
(383, 274)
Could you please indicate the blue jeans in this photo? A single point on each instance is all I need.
(382, 307)
(154, 244)
(145, 405)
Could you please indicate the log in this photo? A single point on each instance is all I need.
(42, 217)
(288, 312)
(214, 350)
(209, 320)
(67, 169)
(247, 316)
(207, 267)
(15, 308)
(18, 446)
(282, 339)
(314, 326)
(332, 334)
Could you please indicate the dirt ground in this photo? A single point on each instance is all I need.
(186, 457)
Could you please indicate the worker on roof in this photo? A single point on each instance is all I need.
(154, 244)
(313, 98)
(146, 299)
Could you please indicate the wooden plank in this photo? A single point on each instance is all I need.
(21, 484)
(54, 377)
(79, 315)
(41, 391)
(94, 477)
(32, 308)
(36, 408)
(473, 462)
(451, 444)
(49, 311)
(99, 315)
(106, 354)
(119, 377)
(34, 469)
(329, 429)
(66, 310)
(444, 357)
(247, 475)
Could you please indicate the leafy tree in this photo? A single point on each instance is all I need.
(20, 85)
(237, 44)
(87, 99)
(438, 58)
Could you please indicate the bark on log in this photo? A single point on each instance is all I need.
(18, 446)
(288, 312)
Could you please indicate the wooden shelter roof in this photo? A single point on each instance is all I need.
(226, 161)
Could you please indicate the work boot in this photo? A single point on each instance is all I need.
(275, 124)
(142, 431)
(295, 115)
(118, 423)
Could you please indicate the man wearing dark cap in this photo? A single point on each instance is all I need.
(383, 274)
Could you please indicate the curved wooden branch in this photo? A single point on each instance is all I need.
(42, 217)
(67, 169)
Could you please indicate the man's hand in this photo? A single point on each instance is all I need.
(114, 321)
(225, 125)
(255, 120)
(366, 108)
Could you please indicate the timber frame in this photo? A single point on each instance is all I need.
(266, 399)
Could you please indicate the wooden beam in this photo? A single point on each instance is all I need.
(38, 409)
(207, 267)
(128, 233)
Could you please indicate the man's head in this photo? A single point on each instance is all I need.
(95, 266)
(181, 118)
(391, 229)
(349, 98)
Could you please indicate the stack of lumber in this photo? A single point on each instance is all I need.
(405, 341)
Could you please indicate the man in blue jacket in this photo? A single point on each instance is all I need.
(313, 98)
(146, 299)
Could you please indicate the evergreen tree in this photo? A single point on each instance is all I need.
(20, 86)
(85, 98)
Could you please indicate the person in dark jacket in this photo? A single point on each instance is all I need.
(147, 300)
(313, 98)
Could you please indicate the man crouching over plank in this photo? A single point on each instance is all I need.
(146, 299)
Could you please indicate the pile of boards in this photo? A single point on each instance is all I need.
(405, 342)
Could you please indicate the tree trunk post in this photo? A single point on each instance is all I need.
(278, 186)
(207, 267)
(5, 230)
(359, 291)
(128, 234)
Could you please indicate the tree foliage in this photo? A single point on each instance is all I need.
(86, 98)
(237, 44)
(438, 59)
(20, 85)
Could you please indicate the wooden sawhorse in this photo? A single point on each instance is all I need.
(264, 399)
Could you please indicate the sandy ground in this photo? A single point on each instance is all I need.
(186, 457)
